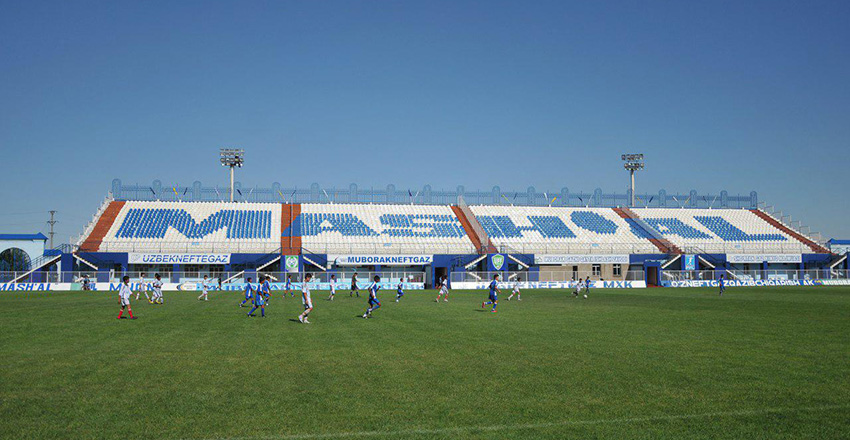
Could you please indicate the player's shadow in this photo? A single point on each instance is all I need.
(294, 320)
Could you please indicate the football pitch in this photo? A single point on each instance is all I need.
(652, 363)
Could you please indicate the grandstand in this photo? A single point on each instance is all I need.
(548, 230)
(436, 233)
(379, 229)
(142, 226)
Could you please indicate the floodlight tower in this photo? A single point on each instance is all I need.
(633, 162)
(232, 157)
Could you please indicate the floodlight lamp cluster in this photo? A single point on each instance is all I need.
(633, 162)
(232, 157)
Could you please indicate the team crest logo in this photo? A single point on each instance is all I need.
(291, 263)
(498, 261)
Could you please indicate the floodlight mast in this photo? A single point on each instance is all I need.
(232, 157)
(633, 162)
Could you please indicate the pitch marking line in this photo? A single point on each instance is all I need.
(463, 429)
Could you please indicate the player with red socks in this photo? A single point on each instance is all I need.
(124, 296)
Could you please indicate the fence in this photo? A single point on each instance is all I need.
(756, 275)
(344, 276)
(753, 247)
(426, 196)
(225, 247)
(547, 276)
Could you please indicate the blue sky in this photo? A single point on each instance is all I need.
(719, 95)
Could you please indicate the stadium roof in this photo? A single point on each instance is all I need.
(38, 236)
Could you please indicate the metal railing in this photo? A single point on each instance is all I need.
(755, 275)
(228, 247)
(426, 195)
(544, 276)
(795, 225)
(342, 276)
(748, 248)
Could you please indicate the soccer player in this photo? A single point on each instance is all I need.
(494, 291)
(332, 283)
(124, 293)
(259, 302)
(248, 289)
(143, 287)
(516, 290)
(157, 290)
(86, 282)
(444, 289)
(400, 291)
(374, 304)
(288, 287)
(305, 299)
(267, 287)
(722, 284)
(354, 289)
(204, 286)
(577, 289)
(587, 284)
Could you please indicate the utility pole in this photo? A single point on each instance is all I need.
(52, 222)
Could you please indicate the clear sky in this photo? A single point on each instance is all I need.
(719, 95)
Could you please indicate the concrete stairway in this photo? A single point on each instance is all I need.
(290, 236)
(818, 249)
(104, 223)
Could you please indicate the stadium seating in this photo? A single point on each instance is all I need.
(147, 226)
(534, 229)
(194, 227)
(719, 231)
(390, 229)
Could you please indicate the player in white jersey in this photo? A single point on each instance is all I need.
(444, 289)
(516, 290)
(578, 288)
(157, 289)
(305, 299)
(143, 287)
(124, 293)
(332, 283)
(205, 285)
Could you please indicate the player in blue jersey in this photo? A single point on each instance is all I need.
(259, 301)
(288, 288)
(722, 283)
(494, 291)
(374, 304)
(267, 287)
(248, 290)
(400, 291)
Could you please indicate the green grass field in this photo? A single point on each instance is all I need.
(656, 363)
